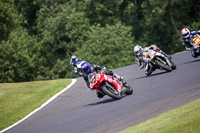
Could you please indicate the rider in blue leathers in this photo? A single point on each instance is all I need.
(187, 40)
(74, 60)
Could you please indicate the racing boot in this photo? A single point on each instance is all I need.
(120, 78)
(149, 69)
(124, 83)
(100, 94)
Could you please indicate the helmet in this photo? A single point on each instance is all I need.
(85, 67)
(185, 32)
(73, 57)
(138, 50)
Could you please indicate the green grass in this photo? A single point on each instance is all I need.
(185, 119)
(19, 99)
(181, 52)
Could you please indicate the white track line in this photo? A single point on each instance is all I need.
(43, 105)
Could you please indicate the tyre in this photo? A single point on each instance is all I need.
(173, 65)
(111, 91)
(161, 65)
(194, 54)
(147, 74)
(129, 90)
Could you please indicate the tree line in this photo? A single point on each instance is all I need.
(38, 37)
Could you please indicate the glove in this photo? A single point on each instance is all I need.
(157, 49)
(103, 70)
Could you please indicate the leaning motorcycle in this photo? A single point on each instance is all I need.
(160, 61)
(109, 85)
(196, 46)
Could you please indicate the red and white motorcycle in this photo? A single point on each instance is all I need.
(160, 61)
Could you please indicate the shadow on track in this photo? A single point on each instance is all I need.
(102, 102)
(152, 75)
(191, 62)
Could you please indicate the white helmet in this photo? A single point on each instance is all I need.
(185, 32)
(73, 57)
(138, 50)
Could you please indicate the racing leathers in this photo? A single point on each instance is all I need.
(143, 60)
(74, 65)
(187, 42)
(96, 68)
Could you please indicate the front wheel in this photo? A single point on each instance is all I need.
(163, 66)
(129, 89)
(111, 91)
(194, 54)
(173, 65)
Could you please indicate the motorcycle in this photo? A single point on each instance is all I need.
(196, 45)
(160, 61)
(109, 85)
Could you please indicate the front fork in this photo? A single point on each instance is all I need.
(113, 88)
(168, 62)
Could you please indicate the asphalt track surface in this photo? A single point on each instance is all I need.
(78, 110)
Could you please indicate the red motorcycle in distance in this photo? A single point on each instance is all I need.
(109, 85)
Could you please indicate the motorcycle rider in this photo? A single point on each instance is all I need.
(83, 68)
(188, 38)
(86, 69)
(143, 60)
(73, 61)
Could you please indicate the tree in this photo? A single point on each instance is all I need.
(9, 18)
(61, 27)
(109, 46)
(17, 57)
(29, 9)
(103, 11)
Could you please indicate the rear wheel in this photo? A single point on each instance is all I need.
(163, 66)
(111, 91)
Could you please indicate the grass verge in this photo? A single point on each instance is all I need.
(19, 99)
(185, 119)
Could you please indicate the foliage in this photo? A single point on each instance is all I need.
(9, 19)
(104, 43)
(39, 36)
(17, 57)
